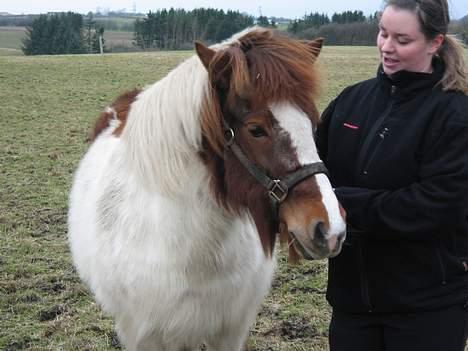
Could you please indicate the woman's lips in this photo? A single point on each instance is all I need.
(389, 62)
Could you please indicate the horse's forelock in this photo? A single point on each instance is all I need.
(229, 73)
(265, 66)
(211, 124)
(281, 69)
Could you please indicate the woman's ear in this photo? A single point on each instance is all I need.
(436, 44)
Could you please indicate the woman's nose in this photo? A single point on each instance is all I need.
(387, 45)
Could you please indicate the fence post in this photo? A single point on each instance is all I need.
(100, 45)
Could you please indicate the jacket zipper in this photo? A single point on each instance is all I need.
(382, 135)
(364, 161)
(364, 283)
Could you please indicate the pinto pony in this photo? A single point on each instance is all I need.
(175, 207)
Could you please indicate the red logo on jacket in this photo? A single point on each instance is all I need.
(350, 126)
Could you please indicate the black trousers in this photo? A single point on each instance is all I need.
(439, 330)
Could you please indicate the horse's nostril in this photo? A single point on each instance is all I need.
(319, 232)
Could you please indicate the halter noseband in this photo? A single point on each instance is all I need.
(278, 189)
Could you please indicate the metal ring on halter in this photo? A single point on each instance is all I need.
(278, 191)
(229, 136)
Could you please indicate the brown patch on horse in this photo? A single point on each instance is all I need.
(243, 191)
(117, 110)
(299, 210)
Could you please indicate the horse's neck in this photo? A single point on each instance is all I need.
(163, 133)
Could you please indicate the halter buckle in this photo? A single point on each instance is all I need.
(278, 191)
(229, 136)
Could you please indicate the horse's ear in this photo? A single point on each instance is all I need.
(204, 53)
(315, 46)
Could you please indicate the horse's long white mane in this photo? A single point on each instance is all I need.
(163, 127)
(163, 130)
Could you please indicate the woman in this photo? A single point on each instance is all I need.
(396, 147)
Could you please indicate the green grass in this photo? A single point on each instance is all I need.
(48, 106)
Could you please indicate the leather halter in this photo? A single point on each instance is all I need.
(278, 189)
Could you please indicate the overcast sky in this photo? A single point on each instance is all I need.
(279, 8)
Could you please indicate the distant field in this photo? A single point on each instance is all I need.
(119, 40)
(10, 37)
(48, 106)
(116, 23)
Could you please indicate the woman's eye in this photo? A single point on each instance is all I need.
(383, 34)
(257, 132)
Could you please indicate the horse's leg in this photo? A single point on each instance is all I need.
(226, 343)
(154, 342)
(126, 333)
(229, 339)
(135, 339)
(244, 310)
(156, 346)
(153, 345)
(130, 336)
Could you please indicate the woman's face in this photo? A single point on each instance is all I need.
(401, 43)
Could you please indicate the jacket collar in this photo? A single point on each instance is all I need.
(408, 83)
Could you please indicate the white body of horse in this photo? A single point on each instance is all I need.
(173, 267)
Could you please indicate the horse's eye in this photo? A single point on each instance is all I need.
(257, 131)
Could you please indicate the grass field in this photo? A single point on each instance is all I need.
(48, 106)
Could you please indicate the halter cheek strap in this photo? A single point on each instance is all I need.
(278, 189)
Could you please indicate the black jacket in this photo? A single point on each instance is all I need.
(397, 153)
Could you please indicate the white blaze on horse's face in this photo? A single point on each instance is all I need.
(311, 212)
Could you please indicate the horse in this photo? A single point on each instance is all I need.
(175, 207)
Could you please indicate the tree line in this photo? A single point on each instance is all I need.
(71, 33)
(177, 29)
(112, 21)
(346, 28)
(62, 33)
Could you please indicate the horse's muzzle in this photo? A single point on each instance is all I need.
(321, 245)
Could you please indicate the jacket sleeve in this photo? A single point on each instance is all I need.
(436, 203)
